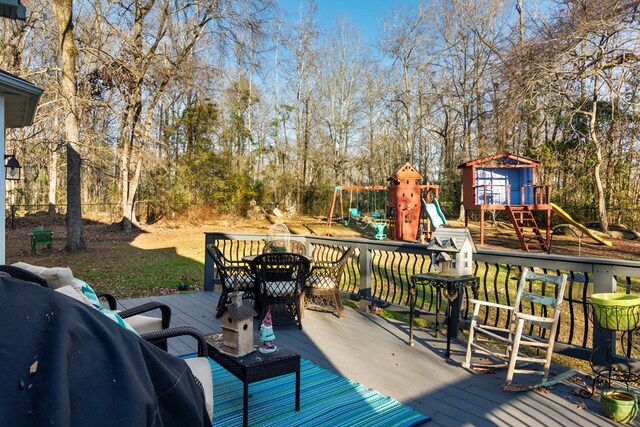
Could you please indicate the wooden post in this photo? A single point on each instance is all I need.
(481, 226)
(333, 205)
(208, 264)
(364, 262)
(603, 281)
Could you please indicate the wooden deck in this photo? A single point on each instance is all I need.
(372, 351)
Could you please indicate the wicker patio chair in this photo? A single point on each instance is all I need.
(541, 295)
(281, 277)
(322, 290)
(233, 275)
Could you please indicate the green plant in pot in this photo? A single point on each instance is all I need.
(619, 405)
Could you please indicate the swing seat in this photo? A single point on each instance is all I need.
(376, 215)
(354, 213)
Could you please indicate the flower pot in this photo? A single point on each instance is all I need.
(619, 405)
(620, 312)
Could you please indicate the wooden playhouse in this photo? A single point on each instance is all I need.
(508, 182)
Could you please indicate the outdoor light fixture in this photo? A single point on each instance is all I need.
(12, 168)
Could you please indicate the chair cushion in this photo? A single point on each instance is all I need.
(321, 282)
(56, 276)
(279, 289)
(201, 369)
(143, 324)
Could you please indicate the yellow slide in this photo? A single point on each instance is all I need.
(565, 216)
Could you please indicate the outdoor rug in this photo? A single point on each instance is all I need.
(326, 399)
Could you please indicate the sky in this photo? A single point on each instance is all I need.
(367, 15)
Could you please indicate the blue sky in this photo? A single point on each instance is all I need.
(366, 15)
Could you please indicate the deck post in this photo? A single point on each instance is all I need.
(364, 262)
(603, 281)
(208, 263)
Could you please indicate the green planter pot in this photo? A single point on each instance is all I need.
(620, 312)
(619, 405)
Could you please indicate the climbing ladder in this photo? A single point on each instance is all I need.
(526, 227)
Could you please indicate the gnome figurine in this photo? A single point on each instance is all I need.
(266, 335)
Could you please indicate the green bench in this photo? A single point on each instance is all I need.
(41, 236)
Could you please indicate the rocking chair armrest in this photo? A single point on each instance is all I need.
(178, 331)
(149, 306)
(111, 300)
(490, 304)
(532, 318)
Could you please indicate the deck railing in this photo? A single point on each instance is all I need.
(379, 273)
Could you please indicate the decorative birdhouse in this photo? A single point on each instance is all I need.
(237, 326)
(451, 251)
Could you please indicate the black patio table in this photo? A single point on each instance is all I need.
(454, 286)
(255, 367)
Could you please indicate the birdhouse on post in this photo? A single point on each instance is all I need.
(451, 251)
(237, 326)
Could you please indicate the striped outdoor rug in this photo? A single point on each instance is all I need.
(326, 399)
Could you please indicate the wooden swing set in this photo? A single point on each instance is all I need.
(354, 212)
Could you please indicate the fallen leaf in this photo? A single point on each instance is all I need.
(581, 405)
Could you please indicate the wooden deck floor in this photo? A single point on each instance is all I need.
(372, 351)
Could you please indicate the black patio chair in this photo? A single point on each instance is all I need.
(136, 316)
(233, 275)
(281, 277)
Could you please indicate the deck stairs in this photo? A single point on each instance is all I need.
(526, 227)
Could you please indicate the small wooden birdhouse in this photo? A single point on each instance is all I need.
(451, 251)
(237, 326)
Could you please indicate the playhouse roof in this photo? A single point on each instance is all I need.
(450, 240)
(504, 158)
(406, 171)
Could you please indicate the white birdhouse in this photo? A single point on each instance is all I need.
(451, 251)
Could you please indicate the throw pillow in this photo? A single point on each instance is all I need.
(56, 276)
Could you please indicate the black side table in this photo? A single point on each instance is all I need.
(454, 287)
(255, 367)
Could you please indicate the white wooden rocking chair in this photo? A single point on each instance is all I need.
(538, 307)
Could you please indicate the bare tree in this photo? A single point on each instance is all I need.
(577, 57)
(68, 54)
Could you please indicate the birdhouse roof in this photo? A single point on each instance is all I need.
(406, 171)
(450, 240)
(241, 312)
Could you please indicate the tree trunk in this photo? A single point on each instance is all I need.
(53, 182)
(600, 196)
(68, 55)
